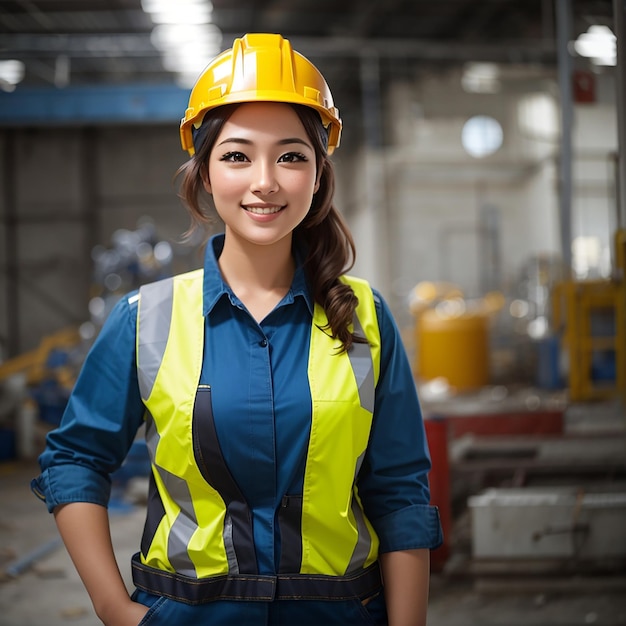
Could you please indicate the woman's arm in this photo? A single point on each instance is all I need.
(84, 528)
(406, 576)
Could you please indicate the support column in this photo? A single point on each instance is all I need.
(11, 249)
(372, 227)
(564, 33)
(89, 199)
(619, 16)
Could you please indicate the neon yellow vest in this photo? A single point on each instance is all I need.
(191, 534)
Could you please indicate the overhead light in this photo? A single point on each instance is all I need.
(187, 48)
(184, 35)
(481, 78)
(157, 6)
(194, 12)
(598, 44)
(11, 73)
(481, 136)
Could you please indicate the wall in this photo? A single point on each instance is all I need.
(438, 199)
(72, 188)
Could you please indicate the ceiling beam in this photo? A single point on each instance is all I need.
(533, 51)
(29, 45)
(524, 51)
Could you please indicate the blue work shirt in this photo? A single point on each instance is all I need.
(262, 409)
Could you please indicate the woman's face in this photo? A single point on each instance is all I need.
(262, 173)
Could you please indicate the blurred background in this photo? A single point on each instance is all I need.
(482, 170)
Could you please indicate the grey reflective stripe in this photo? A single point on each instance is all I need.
(155, 316)
(231, 556)
(152, 437)
(184, 526)
(361, 360)
(364, 541)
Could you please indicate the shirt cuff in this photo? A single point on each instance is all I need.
(63, 484)
(415, 527)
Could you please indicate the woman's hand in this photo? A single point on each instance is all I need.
(127, 614)
(84, 528)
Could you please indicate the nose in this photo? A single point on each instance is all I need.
(264, 180)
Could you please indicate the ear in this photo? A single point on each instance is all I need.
(206, 183)
(317, 186)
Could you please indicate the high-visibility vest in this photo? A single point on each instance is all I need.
(200, 529)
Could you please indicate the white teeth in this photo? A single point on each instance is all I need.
(264, 210)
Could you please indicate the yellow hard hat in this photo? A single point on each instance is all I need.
(260, 68)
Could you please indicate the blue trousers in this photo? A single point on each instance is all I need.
(166, 612)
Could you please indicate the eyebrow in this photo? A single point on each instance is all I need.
(281, 142)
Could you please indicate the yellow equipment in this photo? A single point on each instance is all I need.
(591, 317)
(452, 335)
(455, 348)
(34, 363)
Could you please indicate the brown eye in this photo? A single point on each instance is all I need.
(292, 157)
(234, 157)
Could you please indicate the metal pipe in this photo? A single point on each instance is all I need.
(138, 45)
(11, 250)
(619, 16)
(564, 30)
(28, 560)
(375, 205)
(89, 195)
(371, 98)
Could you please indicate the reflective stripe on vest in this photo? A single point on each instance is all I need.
(199, 527)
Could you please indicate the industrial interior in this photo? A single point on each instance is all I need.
(482, 172)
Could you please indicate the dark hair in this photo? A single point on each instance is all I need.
(323, 234)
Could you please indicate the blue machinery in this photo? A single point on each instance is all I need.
(92, 104)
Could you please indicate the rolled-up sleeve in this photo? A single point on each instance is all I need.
(393, 482)
(100, 421)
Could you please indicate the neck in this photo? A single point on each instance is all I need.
(252, 269)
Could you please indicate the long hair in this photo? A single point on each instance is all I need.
(323, 235)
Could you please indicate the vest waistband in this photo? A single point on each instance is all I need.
(255, 587)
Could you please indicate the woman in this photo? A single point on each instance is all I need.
(289, 463)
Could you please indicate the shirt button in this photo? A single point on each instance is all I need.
(263, 343)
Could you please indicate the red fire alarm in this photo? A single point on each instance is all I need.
(584, 89)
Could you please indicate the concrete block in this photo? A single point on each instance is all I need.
(548, 523)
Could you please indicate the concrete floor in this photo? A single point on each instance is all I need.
(39, 586)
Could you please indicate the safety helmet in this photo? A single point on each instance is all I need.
(260, 68)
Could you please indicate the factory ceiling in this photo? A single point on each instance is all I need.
(78, 42)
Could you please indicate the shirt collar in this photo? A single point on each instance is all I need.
(215, 288)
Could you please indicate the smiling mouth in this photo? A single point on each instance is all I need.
(263, 210)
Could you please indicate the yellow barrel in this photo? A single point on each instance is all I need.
(454, 347)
